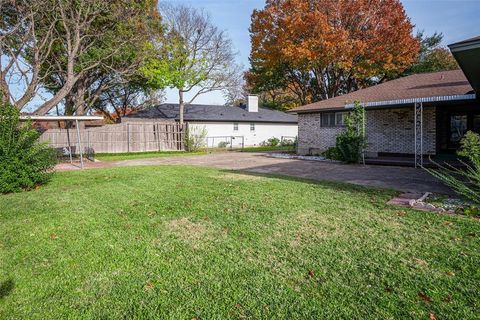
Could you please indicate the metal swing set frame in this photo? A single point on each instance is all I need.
(76, 119)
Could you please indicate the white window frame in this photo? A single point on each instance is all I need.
(252, 127)
(235, 126)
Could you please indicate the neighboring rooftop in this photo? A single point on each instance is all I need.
(197, 112)
(424, 85)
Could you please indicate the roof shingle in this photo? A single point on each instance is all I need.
(197, 112)
(436, 84)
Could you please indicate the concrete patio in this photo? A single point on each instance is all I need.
(398, 178)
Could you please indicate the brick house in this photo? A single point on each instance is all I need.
(412, 117)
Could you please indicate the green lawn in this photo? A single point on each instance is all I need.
(160, 154)
(181, 242)
(143, 155)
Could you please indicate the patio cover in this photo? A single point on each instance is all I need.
(467, 54)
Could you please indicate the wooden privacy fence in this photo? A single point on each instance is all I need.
(119, 138)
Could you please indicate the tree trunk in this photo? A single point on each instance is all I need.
(181, 104)
(80, 106)
(56, 99)
(4, 90)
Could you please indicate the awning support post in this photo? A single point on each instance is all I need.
(77, 124)
(418, 123)
(69, 143)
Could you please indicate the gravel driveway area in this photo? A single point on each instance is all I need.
(398, 178)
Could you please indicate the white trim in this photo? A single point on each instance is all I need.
(459, 97)
(59, 118)
(454, 48)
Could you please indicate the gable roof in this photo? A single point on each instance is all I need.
(197, 112)
(417, 86)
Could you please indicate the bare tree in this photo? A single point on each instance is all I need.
(124, 99)
(235, 95)
(195, 57)
(23, 47)
(60, 44)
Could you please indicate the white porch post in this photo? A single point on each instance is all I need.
(418, 123)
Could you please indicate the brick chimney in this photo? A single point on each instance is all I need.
(252, 103)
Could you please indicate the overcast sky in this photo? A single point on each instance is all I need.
(456, 19)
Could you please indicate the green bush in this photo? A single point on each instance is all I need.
(470, 146)
(331, 153)
(272, 142)
(26, 163)
(223, 144)
(349, 144)
(289, 142)
(465, 182)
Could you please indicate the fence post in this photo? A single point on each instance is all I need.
(157, 134)
(180, 131)
(144, 138)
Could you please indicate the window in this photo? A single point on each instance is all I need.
(333, 119)
(252, 126)
(235, 126)
(328, 119)
(340, 118)
(458, 127)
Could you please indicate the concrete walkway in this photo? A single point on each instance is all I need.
(398, 178)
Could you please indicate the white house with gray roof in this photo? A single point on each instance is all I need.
(245, 125)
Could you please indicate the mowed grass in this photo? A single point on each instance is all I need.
(162, 154)
(144, 155)
(182, 243)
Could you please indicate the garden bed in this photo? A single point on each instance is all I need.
(298, 157)
(435, 203)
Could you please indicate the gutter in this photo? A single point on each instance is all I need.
(399, 102)
(461, 46)
(394, 103)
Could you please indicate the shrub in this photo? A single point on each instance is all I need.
(272, 142)
(223, 144)
(331, 153)
(288, 142)
(470, 146)
(196, 138)
(350, 144)
(465, 182)
(26, 163)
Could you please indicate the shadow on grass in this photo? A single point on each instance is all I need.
(6, 287)
(341, 186)
(378, 177)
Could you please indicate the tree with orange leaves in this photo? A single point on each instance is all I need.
(325, 48)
